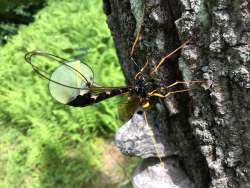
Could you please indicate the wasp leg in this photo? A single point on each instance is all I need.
(152, 92)
(169, 93)
(168, 55)
(153, 138)
(185, 82)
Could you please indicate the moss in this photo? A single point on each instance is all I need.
(137, 10)
(186, 73)
(203, 15)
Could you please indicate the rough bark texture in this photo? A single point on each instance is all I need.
(209, 126)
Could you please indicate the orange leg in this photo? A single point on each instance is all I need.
(169, 93)
(157, 94)
(185, 82)
(168, 55)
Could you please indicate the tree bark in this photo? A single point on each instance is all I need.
(208, 126)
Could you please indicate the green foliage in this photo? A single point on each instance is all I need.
(17, 6)
(43, 143)
(13, 13)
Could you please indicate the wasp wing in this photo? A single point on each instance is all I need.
(127, 108)
(67, 81)
(96, 88)
(69, 77)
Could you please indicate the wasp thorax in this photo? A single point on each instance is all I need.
(142, 87)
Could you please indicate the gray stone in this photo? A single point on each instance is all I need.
(136, 138)
(152, 174)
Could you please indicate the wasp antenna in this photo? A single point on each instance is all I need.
(138, 34)
(135, 63)
(134, 43)
(142, 69)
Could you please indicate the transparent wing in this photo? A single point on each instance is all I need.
(66, 81)
(68, 76)
(96, 89)
(127, 108)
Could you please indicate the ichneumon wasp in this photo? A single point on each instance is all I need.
(72, 83)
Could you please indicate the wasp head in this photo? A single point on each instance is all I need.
(142, 87)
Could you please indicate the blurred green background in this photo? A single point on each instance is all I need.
(44, 143)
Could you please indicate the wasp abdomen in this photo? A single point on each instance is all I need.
(90, 98)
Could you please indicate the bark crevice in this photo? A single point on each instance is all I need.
(206, 128)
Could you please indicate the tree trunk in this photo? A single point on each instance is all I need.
(206, 130)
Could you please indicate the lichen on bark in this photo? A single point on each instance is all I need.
(210, 125)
